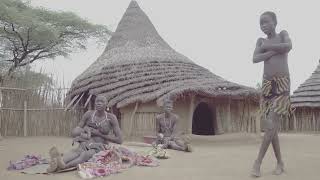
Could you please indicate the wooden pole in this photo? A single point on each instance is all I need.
(248, 114)
(313, 121)
(228, 120)
(70, 104)
(131, 118)
(258, 120)
(218, 119)
(88, 100)
(191, 109)
(0, 112)
(294, 122)
(78, 101)
(25, 119)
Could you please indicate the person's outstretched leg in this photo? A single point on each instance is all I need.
(71, 155)
(84, 156)
(186, 146)
(56, 160)
(175, 146)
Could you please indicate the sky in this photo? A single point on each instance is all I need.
(219, 35)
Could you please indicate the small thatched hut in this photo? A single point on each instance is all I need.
(138, 69)
(306, 100)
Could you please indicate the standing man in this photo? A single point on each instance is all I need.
(273, 52)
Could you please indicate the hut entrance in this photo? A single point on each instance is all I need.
(203, 120)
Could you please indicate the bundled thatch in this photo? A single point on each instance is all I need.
(139, 66)
(308, 93)
(306, 100)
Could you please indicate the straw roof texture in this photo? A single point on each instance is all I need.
(308, 93)
(139, 66)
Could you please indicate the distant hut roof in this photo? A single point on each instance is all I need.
(139, 66)
(308, 93)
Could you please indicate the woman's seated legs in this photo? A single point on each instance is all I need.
(84, 156)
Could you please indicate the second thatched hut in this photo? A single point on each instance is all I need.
(306, 100)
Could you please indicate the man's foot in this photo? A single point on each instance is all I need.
(256, 170)
(189, 148)
(279, 169)
(53, 166)
(186, 139)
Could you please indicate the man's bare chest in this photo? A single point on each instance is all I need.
(275, 40)
(166, 122)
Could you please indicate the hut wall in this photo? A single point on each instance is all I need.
(231, 116)
(236, 115)
(143, 121)
(306, 119)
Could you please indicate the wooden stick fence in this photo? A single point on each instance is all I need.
(35, 112)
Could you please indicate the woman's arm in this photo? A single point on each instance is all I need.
(79, 129)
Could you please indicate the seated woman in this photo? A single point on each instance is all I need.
(166, 125)
(92, 133)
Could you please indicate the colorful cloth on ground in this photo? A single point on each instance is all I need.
(27, 161)
(276, 96)
(113, 160)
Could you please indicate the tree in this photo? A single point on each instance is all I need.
(31, 33)
(41, 90)
(26, 78)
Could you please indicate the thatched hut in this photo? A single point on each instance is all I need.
(306, 100)
(138, 69)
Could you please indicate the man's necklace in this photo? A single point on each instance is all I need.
(98, 123)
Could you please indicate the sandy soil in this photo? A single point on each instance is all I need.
(224, 157)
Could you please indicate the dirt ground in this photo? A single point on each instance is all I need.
(223, 157)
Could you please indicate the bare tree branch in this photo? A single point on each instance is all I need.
(37, 56)
(19, 36)
(28, 38)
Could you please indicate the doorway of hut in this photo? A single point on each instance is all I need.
(203, 120)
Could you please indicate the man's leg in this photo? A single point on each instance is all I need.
(276, 148)
(84, 156)
(180, 145)
(184, 144)
(175, 146)
(270, 131)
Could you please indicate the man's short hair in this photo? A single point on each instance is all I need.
(272, 15)
(167, 101)
(101, 97)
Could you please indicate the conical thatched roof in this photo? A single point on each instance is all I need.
(308, 93)
(138, 65)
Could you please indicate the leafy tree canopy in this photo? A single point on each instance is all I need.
(31, 33)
